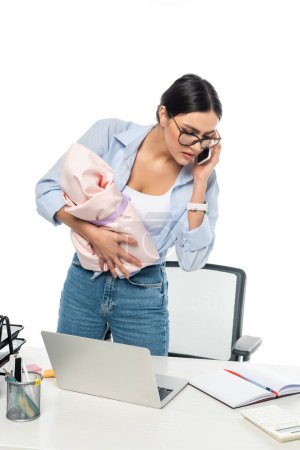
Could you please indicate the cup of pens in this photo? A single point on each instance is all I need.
(23, 397)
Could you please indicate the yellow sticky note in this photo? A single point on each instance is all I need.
(49, 373)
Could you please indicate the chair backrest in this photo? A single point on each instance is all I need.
(206, 310)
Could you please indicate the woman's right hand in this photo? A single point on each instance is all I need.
(106, 245)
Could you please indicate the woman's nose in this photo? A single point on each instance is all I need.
(196, 147)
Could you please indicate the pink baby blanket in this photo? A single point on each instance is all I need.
(91, 195)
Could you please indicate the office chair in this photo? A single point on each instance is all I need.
(206, 313)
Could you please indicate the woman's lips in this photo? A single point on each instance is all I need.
(187, 155)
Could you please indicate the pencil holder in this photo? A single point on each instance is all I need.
(23, 398)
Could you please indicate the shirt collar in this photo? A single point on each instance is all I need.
(132, 138)
(131, 135)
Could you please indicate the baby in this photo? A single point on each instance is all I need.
(91, 195)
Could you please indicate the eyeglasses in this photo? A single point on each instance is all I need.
(187, 139)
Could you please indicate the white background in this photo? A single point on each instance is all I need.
(66, 64)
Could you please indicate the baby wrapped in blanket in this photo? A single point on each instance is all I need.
(91, 195)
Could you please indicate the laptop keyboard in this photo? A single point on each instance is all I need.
(164, 392)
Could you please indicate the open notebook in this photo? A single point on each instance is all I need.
(246, 384)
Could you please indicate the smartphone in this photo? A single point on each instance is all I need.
(204, 156)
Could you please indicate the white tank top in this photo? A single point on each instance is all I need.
(154, 210)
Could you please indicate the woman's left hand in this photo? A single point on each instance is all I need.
(201, 172)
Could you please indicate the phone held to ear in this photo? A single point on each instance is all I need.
(204, 156)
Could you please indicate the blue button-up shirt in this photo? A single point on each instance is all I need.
(117, 142)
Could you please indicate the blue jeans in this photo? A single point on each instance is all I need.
(135, 310)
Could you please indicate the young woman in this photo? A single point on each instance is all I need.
(156, 166)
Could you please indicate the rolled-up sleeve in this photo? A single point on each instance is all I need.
(48, 193)
(194, 246)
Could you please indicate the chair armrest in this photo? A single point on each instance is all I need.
(245, 346)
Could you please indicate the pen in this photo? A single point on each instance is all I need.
(11, 364)
(27, 378)
(252, 381)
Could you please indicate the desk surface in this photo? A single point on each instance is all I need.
(192, 420)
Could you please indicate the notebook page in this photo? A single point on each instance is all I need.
(230, 389)
(271, 378)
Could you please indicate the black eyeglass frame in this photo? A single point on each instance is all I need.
(192, 134)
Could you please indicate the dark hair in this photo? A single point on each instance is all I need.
(190, 93)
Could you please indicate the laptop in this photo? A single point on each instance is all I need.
(107, 369)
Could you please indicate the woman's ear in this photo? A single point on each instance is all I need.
(163, 116)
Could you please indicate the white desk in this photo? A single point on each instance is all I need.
(192, 420)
